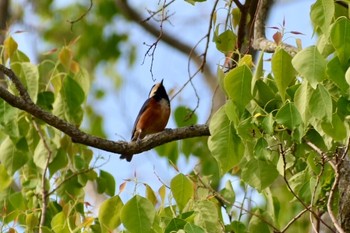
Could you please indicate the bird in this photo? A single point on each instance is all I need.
(153, 116)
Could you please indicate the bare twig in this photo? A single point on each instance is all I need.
(296, 217)
(72, 22)
(282, 153)
(44, 195)
(152, 48)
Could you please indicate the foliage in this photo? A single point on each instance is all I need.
(280, 133)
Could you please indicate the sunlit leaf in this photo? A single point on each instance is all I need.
(10, 46)
(336, 73)
(340, 38)
(182, 189)
(207, 216)
(238, 85)
(174, 225)
(109, 213)
(150, 195)
(11, 157)
(289, 116)
(138, 215)
(224, 143)
(320, 104)
(311, 65)
(5, 178)
(226, 41)
(184, 116)
(282, 70)
(322, 12)
(259, 173)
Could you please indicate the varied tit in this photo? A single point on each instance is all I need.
(153, 116)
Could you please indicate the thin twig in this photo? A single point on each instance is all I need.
(156, 12)
(282, 153)
(72, 22)
(68, 178)
(296, 217)
(224, 201)
(201, 67)
(44, 195)
(152, 48)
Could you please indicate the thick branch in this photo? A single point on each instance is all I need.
(81, 137)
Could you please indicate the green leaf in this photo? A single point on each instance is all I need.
(236, 227)
(184, 116)
(300, 183)
(226, 41)
(340, 38)
(228, 193)
(150, 195)
(138, 215)
(238, 86)
(301, 100)
(263, 94)
(268, 124)
(191, 228)
(258, 225)
(336, 73)
(182, 189)
(311, 65)
(12, 158)
(59, 223)
(5, 178)
(68, 102)
(207, 216)
(289, 116)
(282, 70)
(109, 182)
(224, 143)
(259, 173)
(335, 129)
(31, 79)
(322, 13)
(109, 213)
(174, 225)
(7, 112)
(45, 100)
(259, 71)
(321, 104)
(41, 153)
(60, 161)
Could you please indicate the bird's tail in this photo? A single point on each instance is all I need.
(128, 157)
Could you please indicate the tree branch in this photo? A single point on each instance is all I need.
(260, 42)
(78, 136)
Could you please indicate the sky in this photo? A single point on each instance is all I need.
(120, 108)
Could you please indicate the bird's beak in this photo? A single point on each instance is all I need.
(161, 82)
